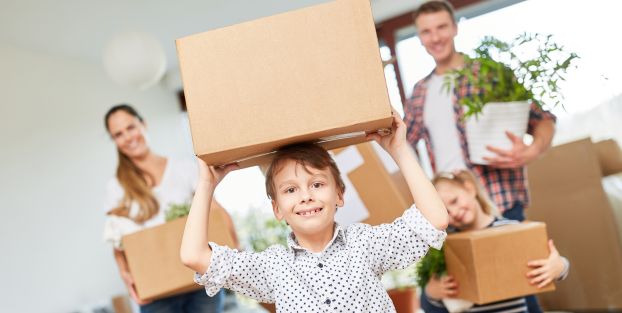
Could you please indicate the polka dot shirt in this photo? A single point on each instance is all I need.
(345, 277)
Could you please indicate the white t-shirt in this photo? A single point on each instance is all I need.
(176, 187)
(439, 118)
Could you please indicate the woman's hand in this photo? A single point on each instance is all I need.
(546, 270)
(441, 288)
(214, 175)
(131, 288)
(394, 141)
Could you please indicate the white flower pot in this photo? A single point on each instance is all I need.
(489, 127)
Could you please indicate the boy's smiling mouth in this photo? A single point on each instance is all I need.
(309, 212)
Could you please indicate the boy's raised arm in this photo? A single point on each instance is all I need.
(426, 198)
(195, 251)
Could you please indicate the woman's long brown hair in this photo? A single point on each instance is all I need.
(132, 179)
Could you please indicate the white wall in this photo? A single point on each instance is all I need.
(55, 160)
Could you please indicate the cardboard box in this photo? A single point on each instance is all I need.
(305, 75)
(153, 256)
(490, 264)
(370, 186)
(567, 193)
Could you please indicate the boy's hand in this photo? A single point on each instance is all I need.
(214, 175)
(441, 288)
(395, 141)
(546, 270)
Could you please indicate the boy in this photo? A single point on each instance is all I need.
(325, 268)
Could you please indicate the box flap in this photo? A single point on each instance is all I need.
(609, 157)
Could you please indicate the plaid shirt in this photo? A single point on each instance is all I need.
(506, 187)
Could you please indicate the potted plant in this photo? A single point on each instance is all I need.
(509, 78)
(401, 290)
(431, 265)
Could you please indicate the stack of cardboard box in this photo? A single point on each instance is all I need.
(567, 193)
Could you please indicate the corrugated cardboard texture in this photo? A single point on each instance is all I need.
(567, 194)
(153, 256)
(490, 264)
(375, 186)
(299, 76)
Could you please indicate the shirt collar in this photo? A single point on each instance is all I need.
(338, 234)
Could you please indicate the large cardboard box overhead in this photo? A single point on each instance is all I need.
(567, 193)
(490, 264)
(153, 256)
(304, 75)
(376, 192)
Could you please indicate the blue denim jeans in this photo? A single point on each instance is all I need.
(191, 302)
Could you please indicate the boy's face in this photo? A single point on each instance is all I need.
(437, 32)
(307, 198)
(461, 203)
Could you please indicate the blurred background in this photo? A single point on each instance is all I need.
(64, 63)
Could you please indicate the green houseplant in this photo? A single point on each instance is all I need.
(508, 77)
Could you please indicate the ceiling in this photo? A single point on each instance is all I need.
(81, 28)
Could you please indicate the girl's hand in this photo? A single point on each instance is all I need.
(395, 141)
(214, 175)
(441, 288)
(546, 270)
(131, 288)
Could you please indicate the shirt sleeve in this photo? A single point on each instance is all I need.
(413, 129)
(536, 114)
(564, 272)
(245, 272)
(403, 242)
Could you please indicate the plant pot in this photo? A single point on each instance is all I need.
(270, 307)
(404, 299)
(489, 127)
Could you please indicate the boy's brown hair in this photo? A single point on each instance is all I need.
(307, 155)
(434, 6)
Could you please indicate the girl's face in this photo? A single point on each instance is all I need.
(128, 133)
(307, 198)
(461, 203)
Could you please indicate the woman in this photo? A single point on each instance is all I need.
(144, 187)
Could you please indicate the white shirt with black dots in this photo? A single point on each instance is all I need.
(345, 277)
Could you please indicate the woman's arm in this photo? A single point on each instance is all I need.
(119, 257)
(195, 251)
(425, 196)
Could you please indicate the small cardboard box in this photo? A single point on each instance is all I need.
(153, 256)
(371, 186)
(567, 193)
(313, 74)
(490, 264)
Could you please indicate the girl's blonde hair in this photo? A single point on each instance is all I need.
(461, 178)
(132, 180)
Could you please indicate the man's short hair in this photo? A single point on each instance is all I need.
(309, 156)
(434, 6)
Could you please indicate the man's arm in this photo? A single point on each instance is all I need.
(520, 154)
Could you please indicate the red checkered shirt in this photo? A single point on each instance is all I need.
(506, 187)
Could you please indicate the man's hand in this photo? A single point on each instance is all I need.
(518, 156)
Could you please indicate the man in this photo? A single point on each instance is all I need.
(435, 116)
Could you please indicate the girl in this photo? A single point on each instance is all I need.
(144, 186)
(470, 209)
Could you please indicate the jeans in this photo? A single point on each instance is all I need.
(191, 302)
